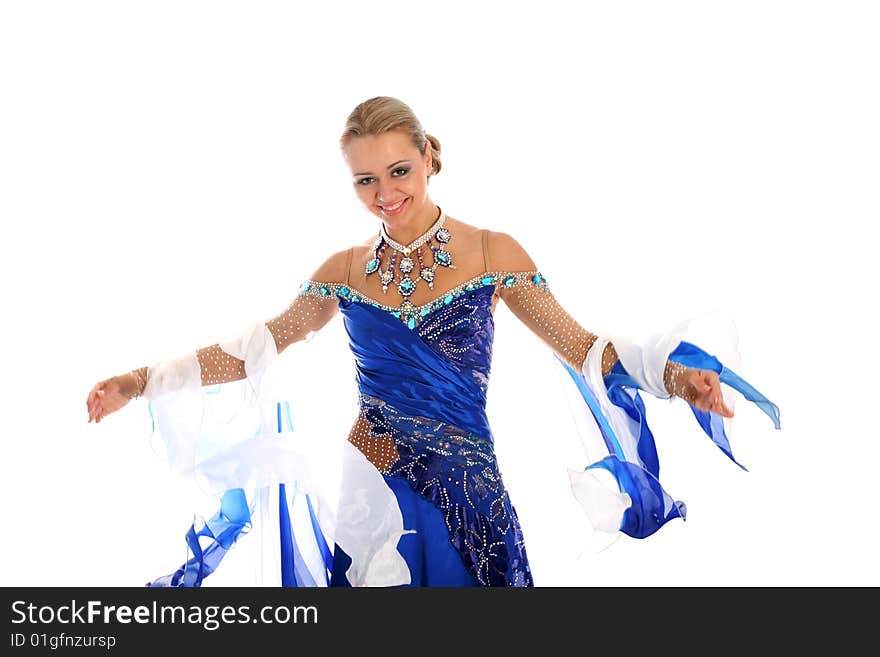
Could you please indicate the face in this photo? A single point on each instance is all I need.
(390, 176)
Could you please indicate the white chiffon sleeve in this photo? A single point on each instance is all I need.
(223, 419)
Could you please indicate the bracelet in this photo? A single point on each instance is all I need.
(139, 384)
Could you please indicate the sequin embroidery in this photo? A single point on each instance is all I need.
(457, 471)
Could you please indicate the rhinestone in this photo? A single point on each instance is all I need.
(386, 277)
(442, 257)
(443, 235)
(406, 265)
(372, 265)
(407, 286)
(427, 274)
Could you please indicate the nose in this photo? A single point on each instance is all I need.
(384, 191)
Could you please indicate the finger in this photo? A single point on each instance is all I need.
(707, 402)
(90, 399)
(99, 407)
(97, 392)
(728, 412)
(720, 407)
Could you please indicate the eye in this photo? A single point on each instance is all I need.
(364, 181)
(404, 171)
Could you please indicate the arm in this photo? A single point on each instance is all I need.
(220, 363)
(538, 309)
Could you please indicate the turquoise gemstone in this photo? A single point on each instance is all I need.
(509, 281)
(305, 287)
(538, 279)
(344, 291)
(395, 313)
(487, 280)
(355, 298)
(407, 286)
(469, 287)
(426, 310)
(372, 265)
(447, 299)
(325, 291)
(442, 257)
(411, 323)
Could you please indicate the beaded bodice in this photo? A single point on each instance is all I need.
(457, 325)
(413, 315)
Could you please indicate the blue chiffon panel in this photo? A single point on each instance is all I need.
(221, 531)
(637, 474)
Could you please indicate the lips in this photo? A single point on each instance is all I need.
(394, 208)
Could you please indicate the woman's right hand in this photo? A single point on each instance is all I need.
(108, 396)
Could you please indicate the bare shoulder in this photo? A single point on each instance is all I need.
(505, 253)
(459, 227)
(334, 269)
(362, 252)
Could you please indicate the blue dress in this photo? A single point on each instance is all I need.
(426, 388)
(422, 377)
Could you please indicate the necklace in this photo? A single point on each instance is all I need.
(405, 284)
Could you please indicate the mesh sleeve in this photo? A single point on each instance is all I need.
(533, 303)
(303, 316)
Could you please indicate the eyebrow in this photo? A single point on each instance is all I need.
(390, 166)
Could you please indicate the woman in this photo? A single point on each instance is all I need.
(421, 502)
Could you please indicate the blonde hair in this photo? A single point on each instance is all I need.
(383, 113)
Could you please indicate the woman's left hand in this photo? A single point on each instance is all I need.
(702, 389)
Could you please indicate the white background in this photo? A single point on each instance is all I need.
(169, 172)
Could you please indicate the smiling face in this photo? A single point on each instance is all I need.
(390, 177)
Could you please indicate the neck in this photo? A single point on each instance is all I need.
(415, 228)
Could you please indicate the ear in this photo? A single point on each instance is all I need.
(429, 161)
